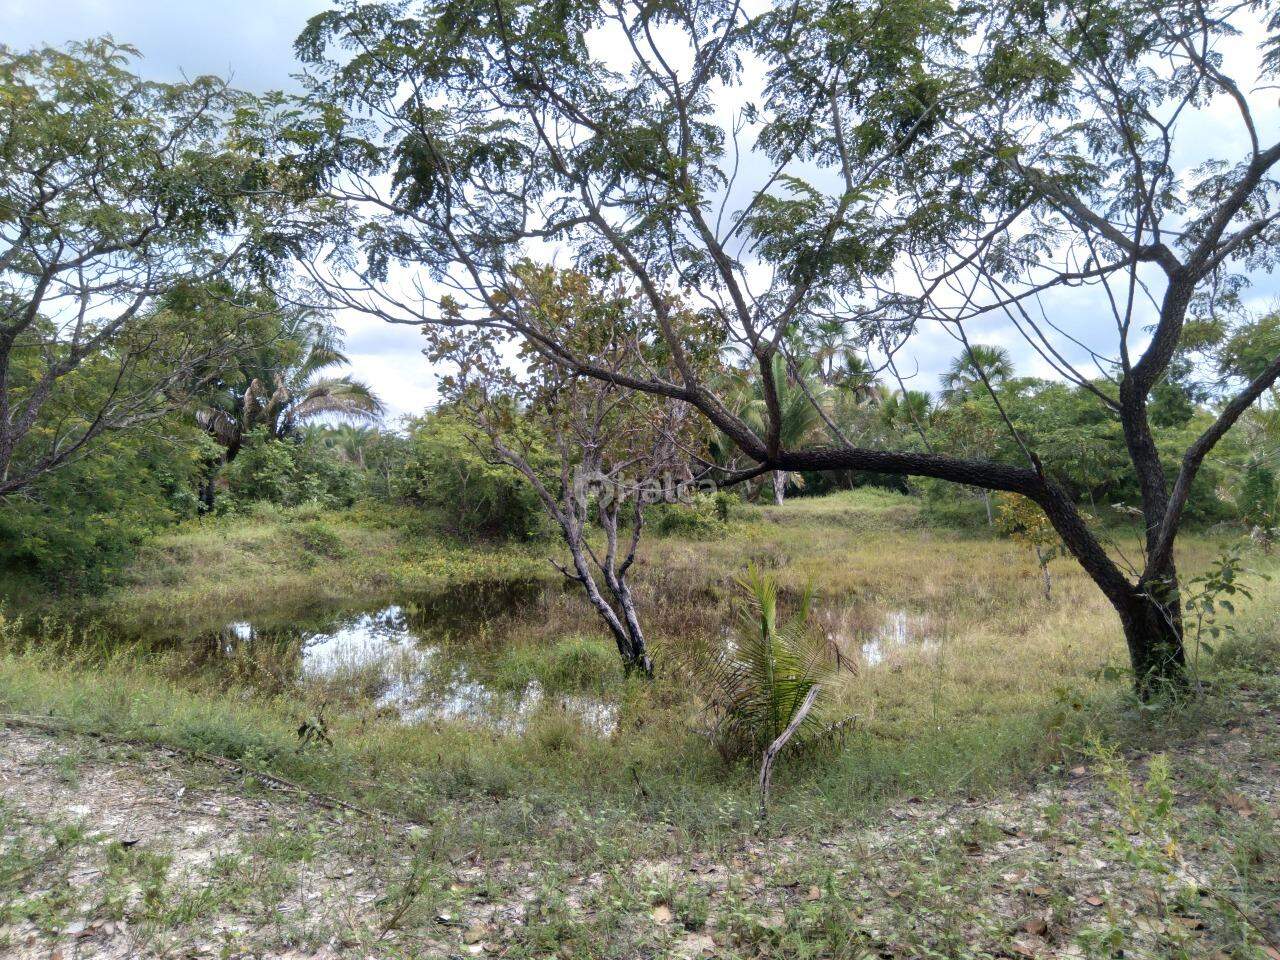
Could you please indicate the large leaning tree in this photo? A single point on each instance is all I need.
(885, 166)
(129, 211)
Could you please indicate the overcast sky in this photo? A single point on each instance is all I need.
(252, 42)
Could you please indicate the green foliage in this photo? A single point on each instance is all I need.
(702, 517)
(116, 193)
(1257, 498)
(74, 527)
(571, 664)
(288, 473)
(1080, 442)
(753, 686)
(1213, 593)
(446, 469)
(948, 505)
(277, 388)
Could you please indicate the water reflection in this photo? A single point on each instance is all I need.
(435, 658)
(863, 637)
(405, 659)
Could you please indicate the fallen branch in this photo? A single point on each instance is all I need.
(771, 754)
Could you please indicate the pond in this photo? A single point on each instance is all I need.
(439, 657)
(422, 659)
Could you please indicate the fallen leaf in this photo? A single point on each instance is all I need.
(1037, 926)
(1239, 803)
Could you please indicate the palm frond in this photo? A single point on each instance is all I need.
(755, 683)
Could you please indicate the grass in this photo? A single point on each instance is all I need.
(287, 562)
(982, 698)
(1000, 689)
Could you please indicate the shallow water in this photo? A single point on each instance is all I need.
(424, 659)
(418, 660)
(866, 637)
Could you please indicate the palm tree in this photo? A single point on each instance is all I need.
(906, 411)
(856, 377)
(349, 441)
(280, 387)
(967, 370)
(756, 685)
(829, 341)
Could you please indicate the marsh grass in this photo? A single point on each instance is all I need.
(999, 688)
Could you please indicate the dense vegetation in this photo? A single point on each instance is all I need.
(683, 514)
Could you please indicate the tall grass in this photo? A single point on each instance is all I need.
(987, 696)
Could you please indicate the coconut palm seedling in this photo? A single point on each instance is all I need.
(765, 686)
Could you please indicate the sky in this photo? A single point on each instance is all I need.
(251, 41)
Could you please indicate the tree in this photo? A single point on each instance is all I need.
(800, 395)
(594, 453)
(278, 386)
(994, 152)
(975, 369)
(1021, 521)
(114, 192)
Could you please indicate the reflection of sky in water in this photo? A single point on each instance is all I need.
(424, 682)
(368, 637)
(897, 632)
(418, 681)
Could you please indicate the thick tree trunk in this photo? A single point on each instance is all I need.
(1153, 630)
(779, 487)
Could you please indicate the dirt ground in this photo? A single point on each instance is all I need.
(113, 850)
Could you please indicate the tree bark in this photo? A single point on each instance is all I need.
(1153, 631)
(779, 487)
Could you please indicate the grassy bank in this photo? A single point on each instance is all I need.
(994, 691)
(992, 686)
(285, 561)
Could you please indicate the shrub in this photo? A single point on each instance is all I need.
(445, 469)
(704, 516)
(754, 686)
(76, 526)
(316, 536)
(1257, 498)
(288, 473)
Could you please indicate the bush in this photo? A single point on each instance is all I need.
(288, 473)
(76, 526)
(1257, 498)
(706, 515)
(952, 505)
(445, 470)
(316, 536)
